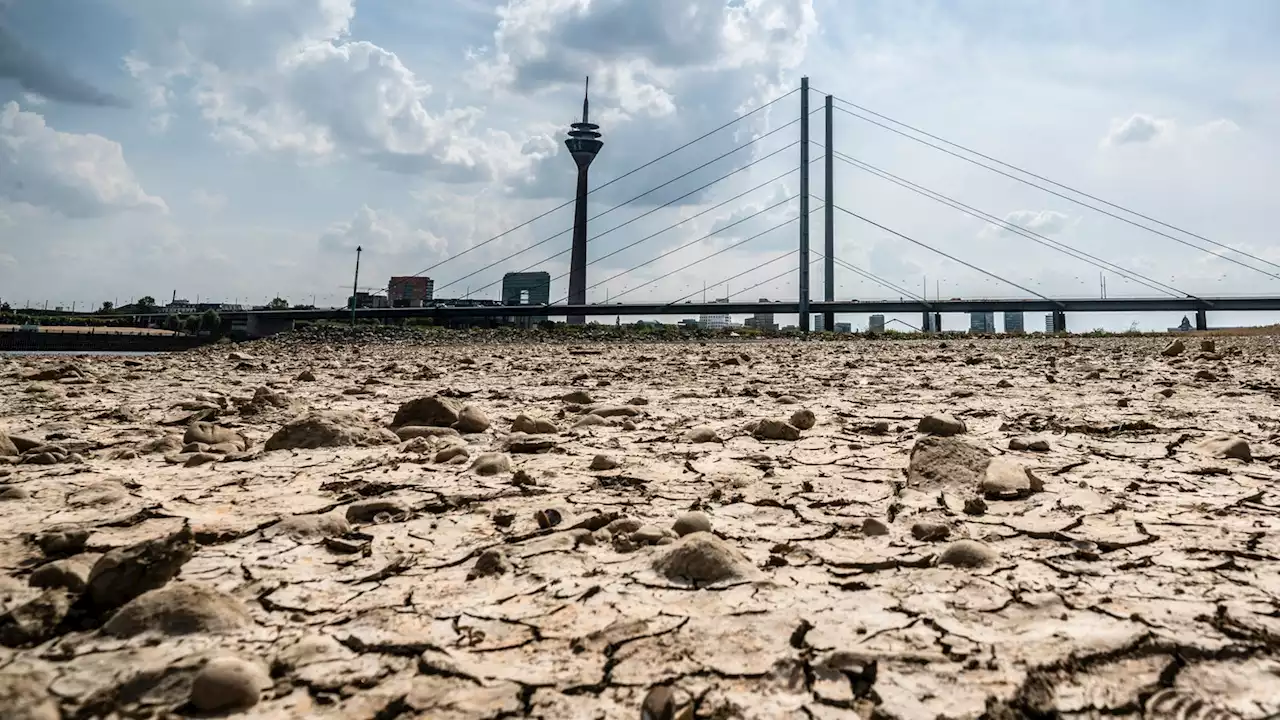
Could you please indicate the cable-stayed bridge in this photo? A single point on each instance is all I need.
(799, 208)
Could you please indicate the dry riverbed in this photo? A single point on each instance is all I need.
(1016, 528)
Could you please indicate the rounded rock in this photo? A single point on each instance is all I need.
(228, 683)
(803, 419)
(603, 462)
(873, 527)
(491, 463)
(179, 608)
(967, 554)
(942, 425)
(691, 522)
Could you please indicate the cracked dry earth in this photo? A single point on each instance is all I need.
(1017, 528)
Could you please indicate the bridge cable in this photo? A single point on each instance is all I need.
(1006, 225)
(749, 270)
(946, 255)
(779, 276)
(876, 278)
(708, 257)
(1073, 200)
(637, 197)
(1039, 177)
(650, 212)
(602, 186)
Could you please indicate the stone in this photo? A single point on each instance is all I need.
(578, 397)
(1034, 444)
(603, 462)
(1004, 478)
(306, 376)
(71, 574)
(179, 608)
(533, 426)
(590, 421)
(968, 554)
(606, 411)
(1177, 347)
(7, 448)
(62, 542)
(1225, 446)
(210, 434)
(25, 696)
(412, 432)
(123, 574)
(433, 411)
(803, 419)
(1207, 345)
(490, 563)
(647, 535)
(36, 620)
(326, 429)
(312, 526)
(452, 454)
(874, 527)
(377, 510)
(1206, 375)
(1004, 384)
(471, 419)
(491, 463)
(228, 684)
(522, 443)
(926, 531)
(942, 425)
(691, 522)
(945, 462)
(701, 434)
(770, 429)
(702, 558)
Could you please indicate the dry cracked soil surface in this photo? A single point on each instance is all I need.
(305, 527)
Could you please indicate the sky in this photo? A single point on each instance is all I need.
(240, 150)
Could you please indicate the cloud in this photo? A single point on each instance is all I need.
(1138, 129)
(293, 83)
(378, 233)
(38, 75)
(79, 176)
(1042, 222)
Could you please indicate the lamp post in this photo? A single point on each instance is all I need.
(354, 284)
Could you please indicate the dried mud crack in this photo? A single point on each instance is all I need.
(315, 528)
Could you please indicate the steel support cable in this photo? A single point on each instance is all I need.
(637, 197)
(695, 241)
(1071, 199)
(623, 176)
(779, 276)
(953, 258)
(783, 256)
(873, 277)
(708, 257)
(664, 230)
(1045, 179)
(1058, 245)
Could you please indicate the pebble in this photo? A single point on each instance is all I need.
(1226, 446)
(491, 463)
(367, 511)
(1177, 347)
(228, 683)
(471, 419)
(691, 522)
(578, 397)
(942, 425)
(490, 563)
(533, 426)
(770, 429)
(179, 608)
(454, 454)
(1004, 478)
(925, 531)
(873, 527)
(1208, 346)
(647, 534)
(702, 558)
(603, 462)
(803, 419)
(967, 554)
(433, 411)
(701, 434)
(1034, 444)
(1004, 384)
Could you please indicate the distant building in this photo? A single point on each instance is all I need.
(526, 288)
(186, 307)
(817, 323)
(982, 322)
(715, 321)
(877, 324)
(762, 320)
(1184, 326)
(844, 327)
(1048, 323)
(1013, 323)
(367, 300)
(410, 291)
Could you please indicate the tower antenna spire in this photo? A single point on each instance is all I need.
(586, 85)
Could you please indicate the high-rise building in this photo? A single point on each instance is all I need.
(1048, 323)
(410, 291)
(877, 324)
(1013, 323)
(982, 322)
(764, 320)
(844, 327)
(526, 288)
(715, 321)
(817, 323)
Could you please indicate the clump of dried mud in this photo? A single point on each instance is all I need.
(386, 529)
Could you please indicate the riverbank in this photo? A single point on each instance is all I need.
(911, 529)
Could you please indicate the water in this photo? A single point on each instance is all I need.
(103, 353)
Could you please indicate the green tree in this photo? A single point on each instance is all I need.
(191, 324)
(107, 307)
(278, 304)
(173, 322)
(210, 321)
(146, 304)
